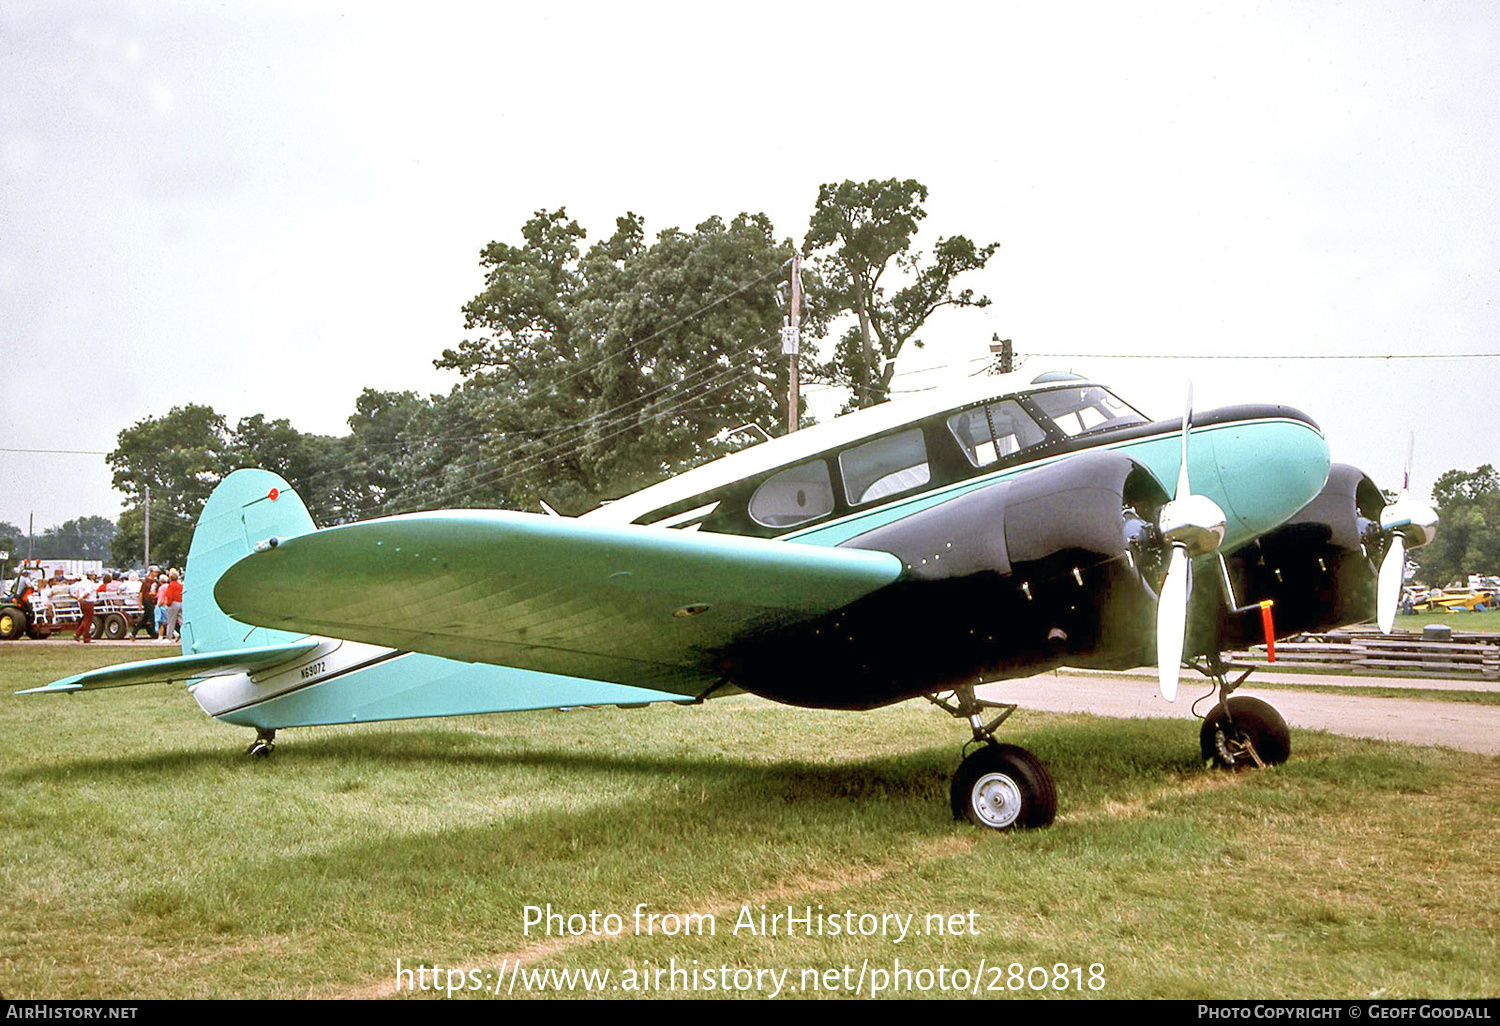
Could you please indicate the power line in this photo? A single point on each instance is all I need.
(1263, 356)
(64, 452)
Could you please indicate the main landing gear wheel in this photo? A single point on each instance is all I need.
(1250, 733)
(1004, 787)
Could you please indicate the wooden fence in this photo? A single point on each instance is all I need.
(1434, 654)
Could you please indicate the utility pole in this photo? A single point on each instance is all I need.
(148, 526)
(791, 344)
(1001, 347)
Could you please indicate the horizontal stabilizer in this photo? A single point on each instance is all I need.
(179, 668)
(634, 605)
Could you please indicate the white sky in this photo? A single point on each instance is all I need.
(268, 206)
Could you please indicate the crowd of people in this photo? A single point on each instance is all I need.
(159, 593)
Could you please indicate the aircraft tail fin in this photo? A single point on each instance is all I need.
(247, 508)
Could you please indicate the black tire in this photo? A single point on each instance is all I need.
(115, 627)
(96, 629)
(12, 623)
(1227, 741)
(1002, 787)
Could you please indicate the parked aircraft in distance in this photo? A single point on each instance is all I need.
(917, 548)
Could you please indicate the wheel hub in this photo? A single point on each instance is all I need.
(1237, 748)
(997, 800)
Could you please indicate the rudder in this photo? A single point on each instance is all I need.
(246, 508)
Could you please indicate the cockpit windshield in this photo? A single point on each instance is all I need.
(994, 431)
(1082, 411)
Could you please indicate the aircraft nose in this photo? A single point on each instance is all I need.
(1269, 469)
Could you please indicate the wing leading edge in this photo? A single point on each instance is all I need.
(620, 603)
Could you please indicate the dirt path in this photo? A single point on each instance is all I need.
(1472, 728)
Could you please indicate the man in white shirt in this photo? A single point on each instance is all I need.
(84, 591)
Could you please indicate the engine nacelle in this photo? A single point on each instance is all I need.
(1316, 568)
(1050, 567)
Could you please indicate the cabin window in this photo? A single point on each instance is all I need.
(794, 496)
(884, 467)
(1078, 411)
(988, 434)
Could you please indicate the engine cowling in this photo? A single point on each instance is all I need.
(1317, 568)
(1054, 566)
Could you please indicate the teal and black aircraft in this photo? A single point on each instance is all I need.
(916, 549)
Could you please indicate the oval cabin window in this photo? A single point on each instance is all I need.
(794, 496)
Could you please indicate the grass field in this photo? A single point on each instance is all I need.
(1488, 622)
(143, 855)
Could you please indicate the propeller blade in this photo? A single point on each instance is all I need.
(1183, 489)
(1388, 595)
(1171, 623)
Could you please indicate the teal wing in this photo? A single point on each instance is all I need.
(179, 668)
(632, 605)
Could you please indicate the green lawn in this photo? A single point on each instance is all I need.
(143, 855)
(1487, 622)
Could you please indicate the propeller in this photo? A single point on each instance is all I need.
(1388, 593)
(1411, 524)
(1194, 526)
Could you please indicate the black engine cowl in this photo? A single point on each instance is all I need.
(1314, 568)
(1002, 581)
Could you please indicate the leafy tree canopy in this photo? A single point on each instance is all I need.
(1468, 539)
(179, 458)
(862, 233)
(184, 455)
(84, 538)
(598, 372)
(12, 540)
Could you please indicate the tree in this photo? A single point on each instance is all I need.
(318, 466)
(180, 457)
(865, 230)
(380, 433)
(1468, 539)
(595, 373)
(84, 538)
(12, 540)
(449, 452)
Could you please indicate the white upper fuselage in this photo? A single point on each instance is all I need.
(786, 450)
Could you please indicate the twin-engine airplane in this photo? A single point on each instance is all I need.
(914, 549)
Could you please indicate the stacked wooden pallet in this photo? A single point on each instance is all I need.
(1360, 651)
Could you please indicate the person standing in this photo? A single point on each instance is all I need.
(84, 591)
(148, 606)
(170, 596)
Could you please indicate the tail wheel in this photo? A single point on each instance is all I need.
(264, 743)
(1251, 733)
(1003, 787)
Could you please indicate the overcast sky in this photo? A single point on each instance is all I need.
(266, 207)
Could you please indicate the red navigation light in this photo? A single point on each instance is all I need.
(274, 494)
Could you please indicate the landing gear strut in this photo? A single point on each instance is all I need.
(999, 786)
(1241, 732)
(263, 745)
